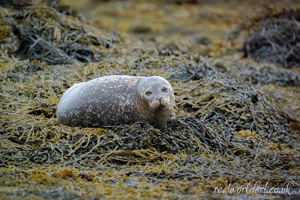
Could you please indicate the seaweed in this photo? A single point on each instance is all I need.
(216, 115)
(45, 34)
(273, 36)
(226, 127)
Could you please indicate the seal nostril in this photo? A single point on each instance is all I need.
(160, 99)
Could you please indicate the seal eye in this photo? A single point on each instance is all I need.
(164, 89)
(148, 93)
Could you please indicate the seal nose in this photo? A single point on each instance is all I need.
(159, 99)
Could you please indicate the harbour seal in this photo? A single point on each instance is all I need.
(115, 100)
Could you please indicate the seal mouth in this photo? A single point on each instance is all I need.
(156, 108)
(160, 107)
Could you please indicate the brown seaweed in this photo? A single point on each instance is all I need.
(273, 36)
(223, 130)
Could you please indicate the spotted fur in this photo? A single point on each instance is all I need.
(115, 100)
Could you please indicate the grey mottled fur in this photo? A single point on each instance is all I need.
(114, 100)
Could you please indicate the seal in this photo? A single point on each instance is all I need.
(115, 100)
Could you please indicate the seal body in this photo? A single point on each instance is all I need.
(115, 100)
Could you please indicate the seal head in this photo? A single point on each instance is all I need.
(155, 100)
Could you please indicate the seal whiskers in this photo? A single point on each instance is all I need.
(150, 111)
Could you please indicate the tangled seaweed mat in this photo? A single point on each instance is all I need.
(228, 133)
(43, 33)
(223, 132)
(273, 36)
